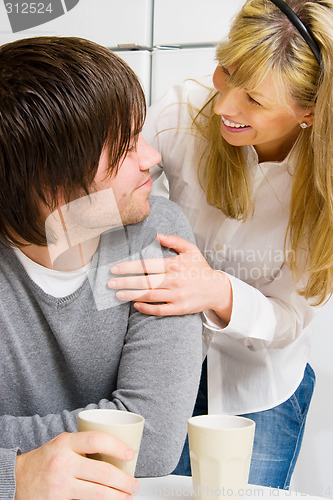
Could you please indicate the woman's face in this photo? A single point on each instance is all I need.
(257, 118)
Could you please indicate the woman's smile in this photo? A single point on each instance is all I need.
(232, 126)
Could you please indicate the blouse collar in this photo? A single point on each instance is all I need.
(289, 161)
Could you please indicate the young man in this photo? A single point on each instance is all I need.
(74, 201)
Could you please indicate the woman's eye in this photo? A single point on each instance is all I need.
(225, 71)
(253, 101)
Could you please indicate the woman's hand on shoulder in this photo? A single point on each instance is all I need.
(183, 284)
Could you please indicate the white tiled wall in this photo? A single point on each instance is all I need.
(108, 22)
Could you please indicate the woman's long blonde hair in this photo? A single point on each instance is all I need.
(263, 41)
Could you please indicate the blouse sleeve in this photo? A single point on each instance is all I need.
(272, 316)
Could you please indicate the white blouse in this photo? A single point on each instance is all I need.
(257, 361)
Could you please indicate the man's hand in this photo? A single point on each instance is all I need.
(59, 470)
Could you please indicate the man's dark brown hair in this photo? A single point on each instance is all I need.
(61, 101)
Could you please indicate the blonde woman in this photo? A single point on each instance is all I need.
(250, 161)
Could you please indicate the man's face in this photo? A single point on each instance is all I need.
(132, 184)
(114, 201)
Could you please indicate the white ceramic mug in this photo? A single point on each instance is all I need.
(220, 452)
(124, 425)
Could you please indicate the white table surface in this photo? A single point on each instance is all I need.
(180, 488)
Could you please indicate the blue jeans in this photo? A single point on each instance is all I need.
(278, 435)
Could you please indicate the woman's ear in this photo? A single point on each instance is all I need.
(308, 117)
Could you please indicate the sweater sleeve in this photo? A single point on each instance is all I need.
(7, 473)
(158, 378)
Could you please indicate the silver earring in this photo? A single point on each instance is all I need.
(304, 125)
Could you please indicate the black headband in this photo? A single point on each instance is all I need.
(299, 25)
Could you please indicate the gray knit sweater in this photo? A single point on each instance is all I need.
(88, 350)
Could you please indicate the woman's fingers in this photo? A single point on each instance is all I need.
(159, 295)
(172, 286)
(153, 266)
(168, 309)
(176, 243)
(146, 282)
